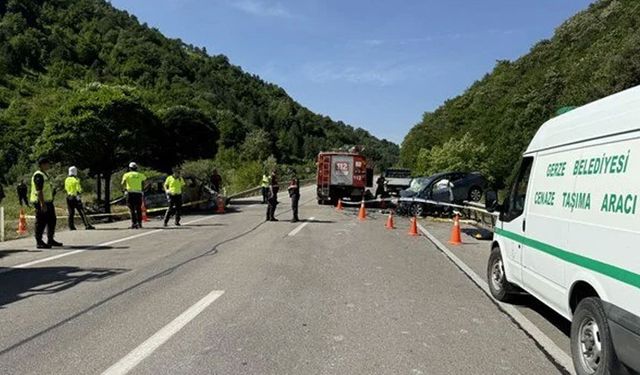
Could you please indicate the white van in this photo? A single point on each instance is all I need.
(569, 230)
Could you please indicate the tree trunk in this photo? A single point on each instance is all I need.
(98, 187)
(107, 192)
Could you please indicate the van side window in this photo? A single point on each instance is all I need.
(517, 196)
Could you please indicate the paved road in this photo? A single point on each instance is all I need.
(231, 294)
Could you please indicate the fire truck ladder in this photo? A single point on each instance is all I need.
(325, 181)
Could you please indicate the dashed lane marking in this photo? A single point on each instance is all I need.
(144, 350)
(299, 227)
(109, 243)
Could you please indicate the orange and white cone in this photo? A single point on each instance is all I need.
(362, 214)
(220, 205)
(22, 223)
(339, 206)
(389, 224)
(413, 228)
(145, 218)
(456, 238)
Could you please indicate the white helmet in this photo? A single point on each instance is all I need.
(73, 171)
(133, 165)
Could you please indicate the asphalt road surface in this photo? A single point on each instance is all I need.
(233, 294)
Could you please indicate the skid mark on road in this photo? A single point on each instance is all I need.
(144, 350)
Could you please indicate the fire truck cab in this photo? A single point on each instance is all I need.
(342, 175)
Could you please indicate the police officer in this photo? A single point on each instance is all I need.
(272, 198)
(132, 182)
(74, 191)
(294, 194)
(173, 187)
(265, 188)
(42, 199)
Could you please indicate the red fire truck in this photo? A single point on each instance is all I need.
(342, 175)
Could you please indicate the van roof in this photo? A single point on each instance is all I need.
(615, 114)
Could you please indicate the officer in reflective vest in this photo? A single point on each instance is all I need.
(74, 202)
(132, 182)
(42, 199)
(265, 188)
(173, 187)
(294, 194)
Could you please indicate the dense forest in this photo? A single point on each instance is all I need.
(594, 54)
(88, 84)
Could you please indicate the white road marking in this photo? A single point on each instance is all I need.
(54, 257)
(299, 227)
(147, 348)
(562, 358)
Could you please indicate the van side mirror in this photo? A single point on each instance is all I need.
(491, 201)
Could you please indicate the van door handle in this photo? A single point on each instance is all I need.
(524, 225)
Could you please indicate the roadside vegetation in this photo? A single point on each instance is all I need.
(592, 55)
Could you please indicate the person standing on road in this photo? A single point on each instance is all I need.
(132, 182)
(380, 187)
(74, 202)
(173, 187)
(265, 188)
(42, 199)
(294, 194)
(22, 192)
(272, 199)
(216, 181)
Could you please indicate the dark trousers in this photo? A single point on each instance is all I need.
(294, 206)
(74, 204)
(22, 199)
(265, 193)
(45, 220)
(175, 207)
(271, 208)
(134, 201)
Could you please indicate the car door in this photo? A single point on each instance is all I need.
(513, 220)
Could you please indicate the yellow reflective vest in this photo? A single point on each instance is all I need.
(174, 185)
(47, 188)
(132, 181)
(72, 186)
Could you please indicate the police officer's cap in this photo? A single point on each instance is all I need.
(43, 160)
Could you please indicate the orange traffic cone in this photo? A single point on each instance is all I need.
(455, 232)
(362, 214)
(389, 224)
(339, 206)
(145, 218)
(413, 228)
(220, 204)
(22, 223)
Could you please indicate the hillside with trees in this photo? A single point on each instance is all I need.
(89, 85)
(594, 54)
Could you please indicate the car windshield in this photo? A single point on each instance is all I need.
(417, 184)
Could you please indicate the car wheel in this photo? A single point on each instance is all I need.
(500, 288)
(475, 194)
(417, 209)
(591, 345)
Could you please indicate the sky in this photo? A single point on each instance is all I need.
(374, 64)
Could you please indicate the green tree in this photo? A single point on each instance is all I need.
(463, 155)
(257, 146)
(188, 134)
(100, 128)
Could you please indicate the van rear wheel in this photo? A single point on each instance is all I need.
(591, 345)
(500, 288)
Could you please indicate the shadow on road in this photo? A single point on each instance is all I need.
(6, 253)
(22, 283)
(532, 303)
(247, 202)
